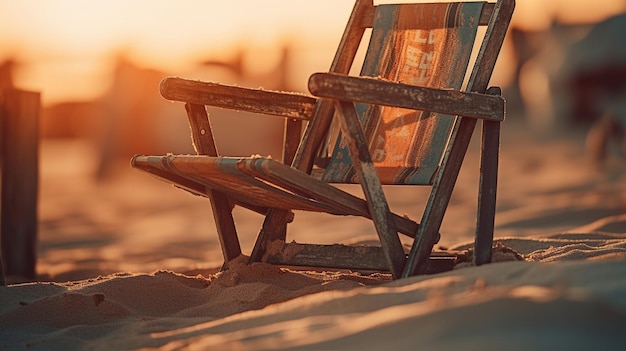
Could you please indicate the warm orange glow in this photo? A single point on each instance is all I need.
(66, 46)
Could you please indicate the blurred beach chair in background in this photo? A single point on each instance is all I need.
(406, 120)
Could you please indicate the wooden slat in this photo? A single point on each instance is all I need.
(485, 16)
(282, 104)
(490, 49)
(382, 92)
(225, 175)
(367, 19)
(359, 258)
(201, 132)
(150, 165)
(300, 183)
(368, 178)
(490, 144)
(327, 197)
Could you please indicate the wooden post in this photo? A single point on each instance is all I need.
(19, 163)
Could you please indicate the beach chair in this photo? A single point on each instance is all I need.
(406, 120)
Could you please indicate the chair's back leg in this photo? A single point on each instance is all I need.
(461, 134)
(317, 128)
(203, 142)
(293, 131)
(489, 152)
(428, 230)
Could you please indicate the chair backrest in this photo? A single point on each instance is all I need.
(419, 44)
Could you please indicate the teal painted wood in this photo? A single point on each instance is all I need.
(258, 184)
(435, 43)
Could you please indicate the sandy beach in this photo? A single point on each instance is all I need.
(132, 263)
(127, 262)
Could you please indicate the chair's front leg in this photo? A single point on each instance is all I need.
(204, 144)
(226, 232)
(372, 188)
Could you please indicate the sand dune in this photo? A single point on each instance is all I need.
(133, 264)
(577, 303)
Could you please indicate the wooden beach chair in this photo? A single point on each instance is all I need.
(406, 120)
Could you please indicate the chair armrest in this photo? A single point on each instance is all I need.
(383, 92)
(290, 105)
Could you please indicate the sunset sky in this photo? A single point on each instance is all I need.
(65, 46)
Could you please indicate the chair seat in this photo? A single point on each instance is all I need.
(259, 183)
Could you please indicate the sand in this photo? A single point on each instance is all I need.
(133, 264)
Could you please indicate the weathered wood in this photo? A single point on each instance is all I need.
(460, 139)
(201, 132)
(155, 166)
(204, 144)
(490, 143)
(383, 92)
(275, 103)
(226, 175)
(196, 175)
(317, 128)
(373, 190)
(20, 178)
(367, 18)
(358, 258)
(490, 48)
(293, 131)
(487, 13)
(341, 202)
(274, 228)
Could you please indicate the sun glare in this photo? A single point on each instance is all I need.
(75, 40)
(65, 47)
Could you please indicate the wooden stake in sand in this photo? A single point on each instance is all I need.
(19, 162)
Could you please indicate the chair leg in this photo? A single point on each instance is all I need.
(377, 203)
(204, 143)
(439, 198)
(274, 228)
(490, 144)
(226, 231)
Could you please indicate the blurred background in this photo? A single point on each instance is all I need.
(98, 65)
